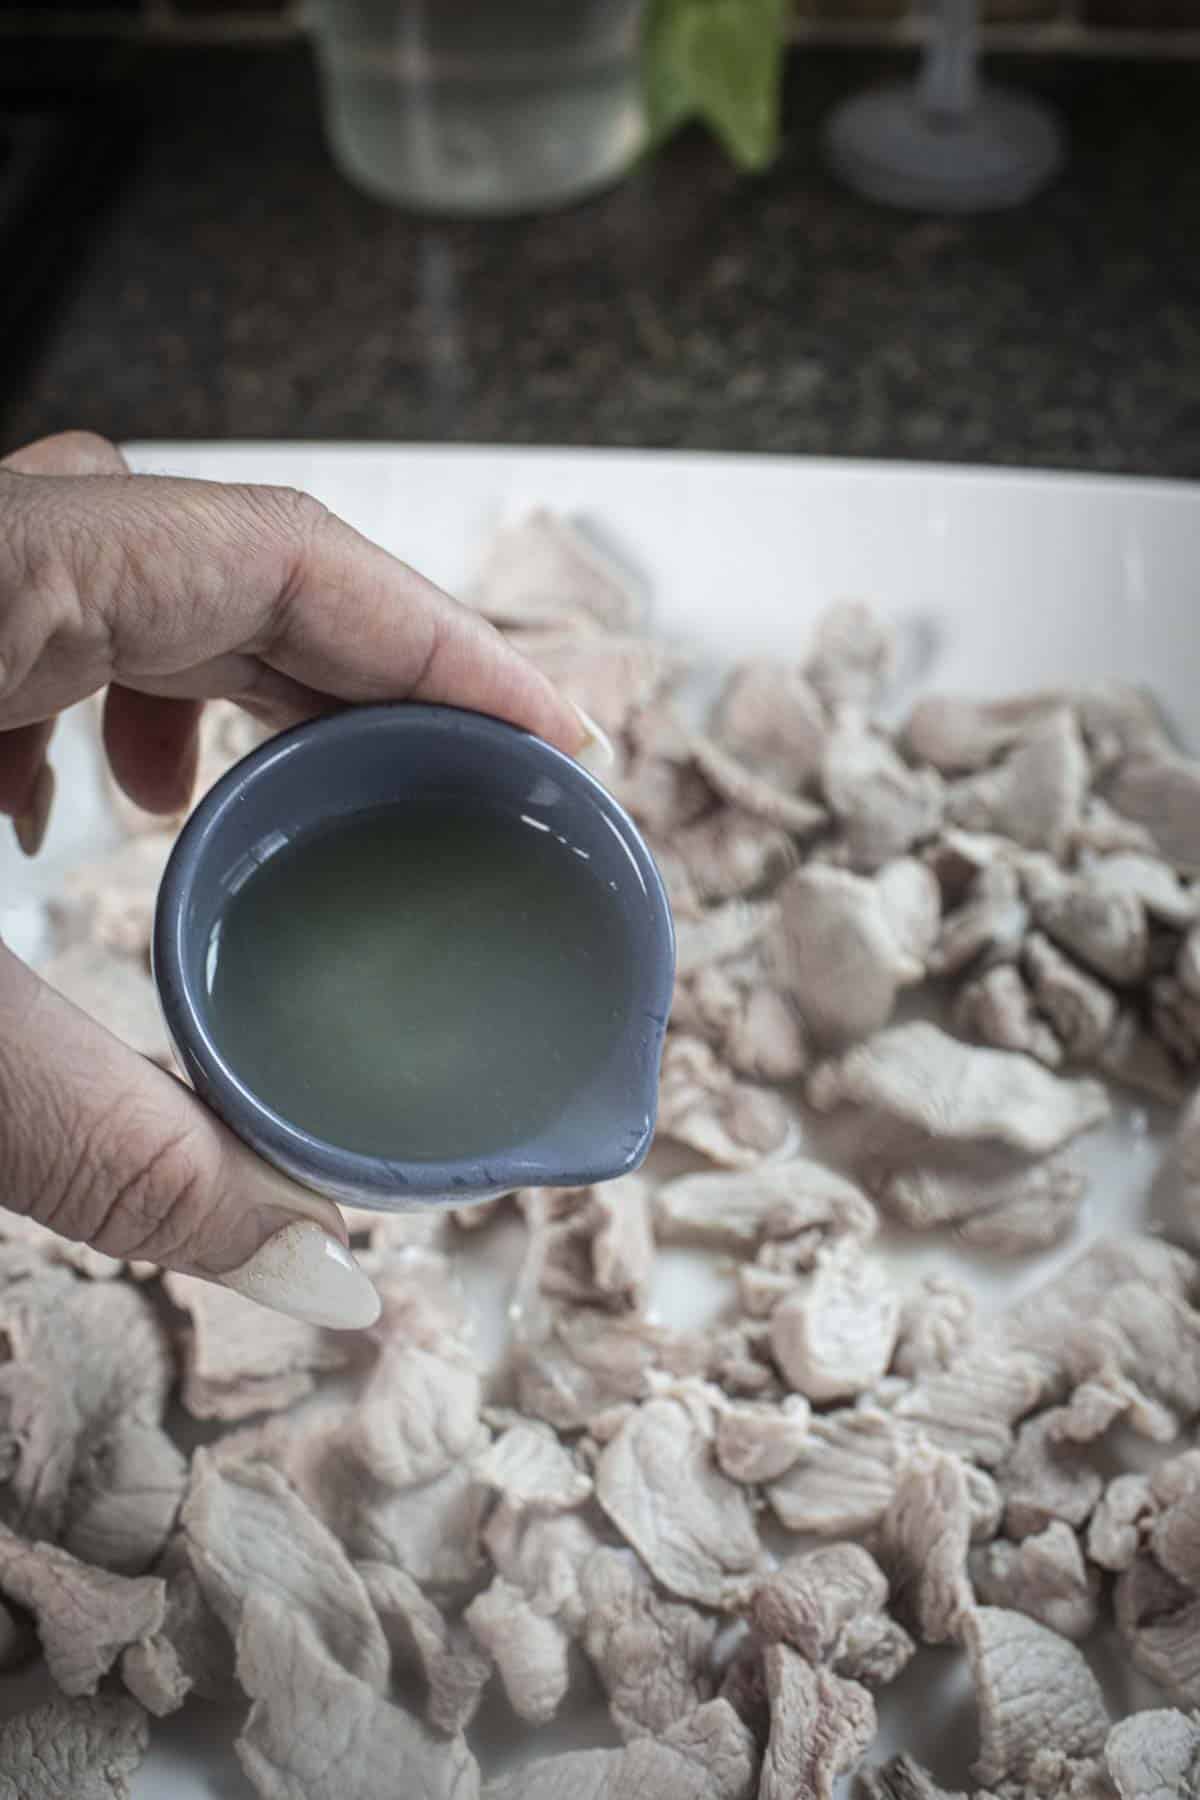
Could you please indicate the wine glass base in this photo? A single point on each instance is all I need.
(884, 146)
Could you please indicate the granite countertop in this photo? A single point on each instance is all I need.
(239, 288)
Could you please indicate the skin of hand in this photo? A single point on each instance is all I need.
(169, 593)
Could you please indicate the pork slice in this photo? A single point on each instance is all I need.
(610, 676)
(1041, 1213)
(902, 1779)
(317, 1730)
(762, 1037)
(1134, 1057)
(73, 1749)
(529, 1467)
(655, 1657)
(722, 933)
(1155, 1756)
(417, 1411)
(759, 796)
(987, 927)
(85, 1617)
(961, 735)
(757, 1442)
(727, 852)
(110, 901)
(1145, 1343)
(771, 716)
(153, 1673)
(452, 1673)
(1160, 789)
(583, 1362)
(739, 1360)
(1175, 1537)
(1082, 1011)
(852, 657)
(845, 1479)
(881, 805)
(431, 1530)
(239, 1359)
(830, 1605)
(918, 1087)
(1102, 831)
(1114, 1531)
(1158, 887)
(1106, 930)
(598, 1249)
(937, 1323)
(1047, 1477)
(820, 1728)
(658, 781)
(998, 1008)
(1034, 1692)
(703, 1104)
(1035, 796)
(836, 953)
(117, 992)
(659, 1484)
(1159, 1622)
(833, 1338)
(190, 1654)
(1044, 1577)
(544, 1558)
(543, 571)
(710, 1755)
(740, 1211)
(248, 1534)
(971, 1408)
(530, 1649)
(1175, 1019)
(922, 1542)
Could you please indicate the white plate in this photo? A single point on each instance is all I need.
(1002, 581)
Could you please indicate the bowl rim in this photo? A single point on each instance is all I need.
(361, 1178)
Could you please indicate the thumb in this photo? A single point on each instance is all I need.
(103, 1147)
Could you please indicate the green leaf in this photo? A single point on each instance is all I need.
(720, 61)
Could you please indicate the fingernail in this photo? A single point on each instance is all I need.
(596, 751)
(308, 1275)
(30, 826)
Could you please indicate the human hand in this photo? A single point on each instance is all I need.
(170, 593)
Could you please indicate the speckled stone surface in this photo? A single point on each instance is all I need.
(241, 288)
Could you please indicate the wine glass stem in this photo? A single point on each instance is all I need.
(949, 78)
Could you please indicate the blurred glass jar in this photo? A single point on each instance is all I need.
(480, 106)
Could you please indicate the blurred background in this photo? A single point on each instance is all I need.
(368, 220)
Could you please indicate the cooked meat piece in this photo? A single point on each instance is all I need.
(834, 1337)
(997, 1008)
(756, 1442)
(925, 1197)
(835, 953)
(918, 1086)
(544, 1558)
(820, 1727)
(722, 933)
(763, 1037)
(83, 1457)
(709, 1755)
(771, 718)
(15, 1228)
(922, 1543)
(1113, 1530)
(155, 1677)
(989, 926)
(659, 782)
(845, 1479)
(1175, 1538)
(1175, 1019)
(971, 1408)
(1105, 929)
(1103, 832)
(1036, 795)
(73, 1750)
(1159, 1622)
(937, 1321)
(727, 853)
(1161, 790)
(913, 903)
(654, 1656)
(239, 1359)
(1045, 1214)
(703, 1105)
(190, 1654)
(1137, 1060)
(853, 655)
(1044, 1577)
(830, 1605)
(117, 992)
(1153, 882)
(597, 1249)
(739, 1360)
(901, 1779)
(452, 1673)
(583, 1362)
(759, 796)
(761, 1288)
(85, 1617)
(742, 1211)
(609, 676)
(431, 1530)
(1034, 1691)
(960, 736)
(659, 1484)
(249, 1536)
(542, 571)
(881, 806)
(1047, 1478)
(316, 1730)
(529, 1467)
(1082, 1011)
(1118, 720)
(529, 1649)
(1155, 1756)
(1145, 1343)
(110, 902)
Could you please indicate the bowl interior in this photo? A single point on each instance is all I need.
(361, 761)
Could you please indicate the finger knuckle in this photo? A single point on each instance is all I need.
(132, 1189)
(84, 453)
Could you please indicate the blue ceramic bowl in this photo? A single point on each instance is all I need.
(360, 760)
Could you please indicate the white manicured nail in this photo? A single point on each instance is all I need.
(30, 827)
(596, 753)
(308, 1275)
